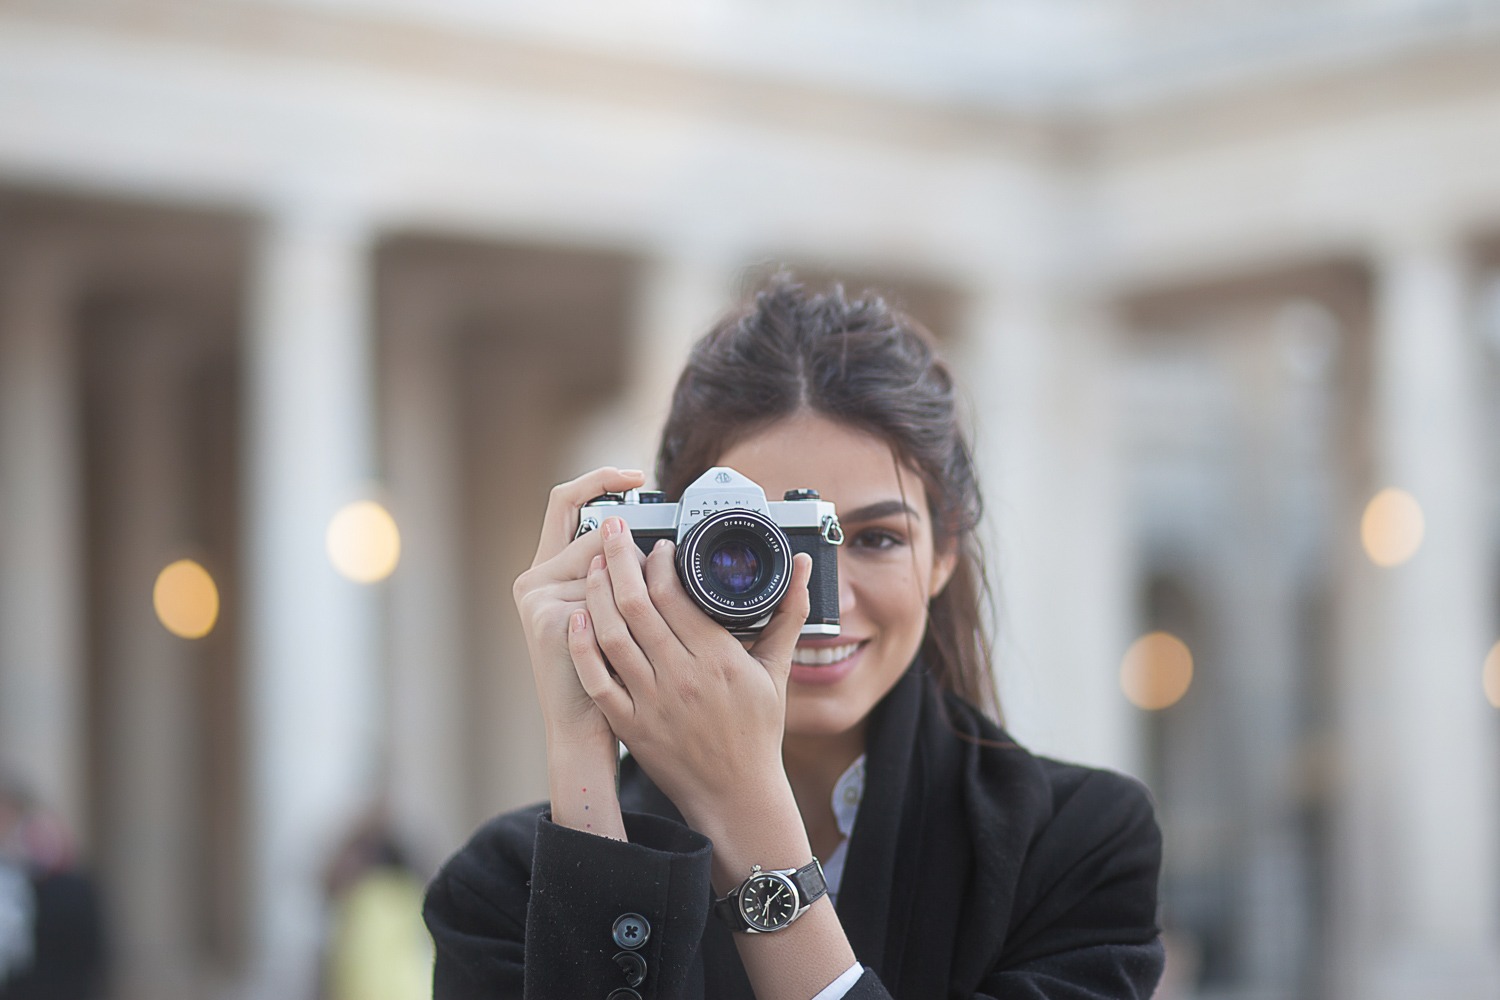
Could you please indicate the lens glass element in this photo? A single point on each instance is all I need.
(734, 567)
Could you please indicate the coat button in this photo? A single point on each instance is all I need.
(633, 965)
(631, 931)
(624, 993)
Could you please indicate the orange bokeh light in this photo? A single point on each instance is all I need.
(1157, 671)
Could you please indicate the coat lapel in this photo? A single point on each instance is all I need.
(867, 894)
(909, 855)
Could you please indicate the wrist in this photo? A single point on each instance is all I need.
(581, 777)
(591, 739)
(763, 828)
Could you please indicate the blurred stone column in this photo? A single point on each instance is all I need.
(150, 780)
(429, 699)
(1039, 370)
(1249, 555)
(41, 590)
(312, 636)
(680, 296)
(518, 412)
(1431, 750)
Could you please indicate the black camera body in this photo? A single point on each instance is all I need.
(734, 548)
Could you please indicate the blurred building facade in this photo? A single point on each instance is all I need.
(1215, 275)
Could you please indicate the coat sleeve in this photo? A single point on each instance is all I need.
(1084, 923)
(506, 925)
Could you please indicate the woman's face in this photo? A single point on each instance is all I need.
(888, 567)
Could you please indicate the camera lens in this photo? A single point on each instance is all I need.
(736, 564)
(734, 567)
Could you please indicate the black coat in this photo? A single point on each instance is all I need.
(974, 870)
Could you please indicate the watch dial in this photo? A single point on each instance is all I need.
(768, 902)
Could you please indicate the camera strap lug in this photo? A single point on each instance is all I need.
(831, 530)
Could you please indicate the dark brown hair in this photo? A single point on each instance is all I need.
(865, 364)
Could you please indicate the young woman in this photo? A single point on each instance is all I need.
(953, 862)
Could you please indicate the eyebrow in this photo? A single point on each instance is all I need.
(878, 510)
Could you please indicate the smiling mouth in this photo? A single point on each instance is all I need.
(821, 656)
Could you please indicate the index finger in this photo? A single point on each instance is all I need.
(686, 620)
(561, 520)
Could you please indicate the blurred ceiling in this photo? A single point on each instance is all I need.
(997, 55)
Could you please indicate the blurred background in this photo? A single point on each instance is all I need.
(304, 304)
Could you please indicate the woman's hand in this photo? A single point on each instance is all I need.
(581, 753)
(703, 715)
(550, 591)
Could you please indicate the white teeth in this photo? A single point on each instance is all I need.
(818, 656)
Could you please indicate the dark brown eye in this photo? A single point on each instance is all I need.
(878, 538)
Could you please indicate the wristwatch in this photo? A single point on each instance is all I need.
(770, 901)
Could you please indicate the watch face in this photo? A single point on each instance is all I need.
(768, 902)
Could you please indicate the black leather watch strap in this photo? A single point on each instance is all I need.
(727, 909)
(810, 882)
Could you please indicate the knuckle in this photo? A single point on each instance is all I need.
(634, 604)
(597, 685)
(523, 585)
(598, 592)
(551, 621)
(613, 637)
(690, 690)
(612, 700)
(605, 695)
(660, 588)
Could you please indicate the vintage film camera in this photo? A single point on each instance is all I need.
(734, 548)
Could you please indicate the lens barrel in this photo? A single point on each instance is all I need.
(736, 563)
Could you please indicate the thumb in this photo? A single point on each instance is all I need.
(774, 646)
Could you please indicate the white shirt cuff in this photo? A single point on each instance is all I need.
(841, 985)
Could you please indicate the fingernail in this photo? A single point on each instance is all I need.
(633, 473)
(661, 543)
(596, 564)
(579, 621)
(612, 526)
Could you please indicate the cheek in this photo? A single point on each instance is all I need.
(898, 602)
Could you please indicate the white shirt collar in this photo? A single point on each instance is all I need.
(848, 792)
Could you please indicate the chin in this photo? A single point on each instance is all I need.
(820, 721)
